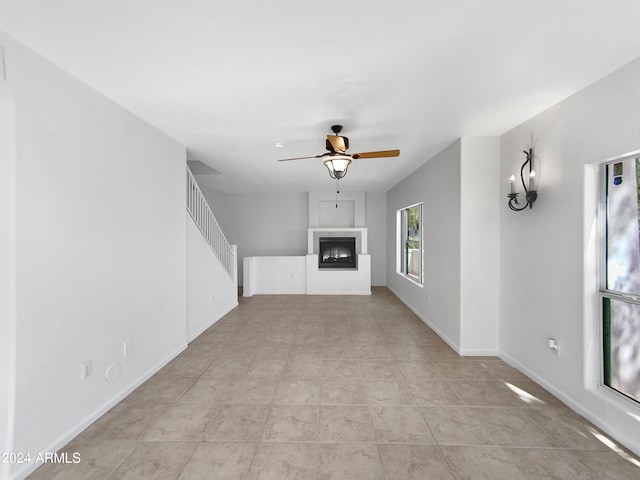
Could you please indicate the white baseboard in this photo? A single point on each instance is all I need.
(463, 352)
(478, 352)
(449, 342)
(208, 324)
(84, 424)
(340, 292)
(564, 398)
(570, 402)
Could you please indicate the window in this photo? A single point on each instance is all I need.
(410, 242)
(620, 283)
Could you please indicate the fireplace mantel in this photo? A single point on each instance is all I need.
(314, 234)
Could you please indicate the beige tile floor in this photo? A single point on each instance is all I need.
(338, 388)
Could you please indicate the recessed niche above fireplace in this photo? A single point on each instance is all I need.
(337, 252)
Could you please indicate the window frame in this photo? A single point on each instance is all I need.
(604, 292)
(401, 260)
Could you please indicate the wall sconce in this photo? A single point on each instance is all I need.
(530, 194)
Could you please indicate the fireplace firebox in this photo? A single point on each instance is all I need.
(337, 252)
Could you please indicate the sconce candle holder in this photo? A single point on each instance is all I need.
(530, 194)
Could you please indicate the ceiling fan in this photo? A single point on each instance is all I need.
(336, 159)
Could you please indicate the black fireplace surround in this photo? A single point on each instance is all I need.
(337, 252)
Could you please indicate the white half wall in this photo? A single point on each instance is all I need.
(211, 293)
(275, 275)
(548, 274)
(100, 251)
(297, 275)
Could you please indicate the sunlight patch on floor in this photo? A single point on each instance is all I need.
(607, 442)
(526, 397)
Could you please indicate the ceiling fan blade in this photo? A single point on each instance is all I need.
(380, 154)
(337, 143)
(299, 158)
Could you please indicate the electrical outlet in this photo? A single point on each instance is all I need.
(87, 369)
(554, 345)
(127, 347)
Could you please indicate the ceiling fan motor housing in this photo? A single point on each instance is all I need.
(337, 146)
(345, 142)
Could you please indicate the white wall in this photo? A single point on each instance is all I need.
(101, 251)
(262, 224)
(7, 273)
(211, 293)
(376, 223)
(459, 192)
(437, 185)
(276, 225)
(322, 211)
(547, 276)
(479, 245)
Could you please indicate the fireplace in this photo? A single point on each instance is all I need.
(337, 252)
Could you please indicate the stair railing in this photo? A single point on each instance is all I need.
(202, 215)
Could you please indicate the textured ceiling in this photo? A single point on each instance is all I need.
(228, 79)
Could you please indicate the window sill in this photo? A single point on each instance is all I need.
(410, 278)
(616, 398)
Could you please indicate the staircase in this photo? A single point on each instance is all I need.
(212, 280)
(203, 217)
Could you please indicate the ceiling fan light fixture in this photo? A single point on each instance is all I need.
(337, 165)
(337, 161)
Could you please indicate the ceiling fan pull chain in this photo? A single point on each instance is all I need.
(337, 190)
